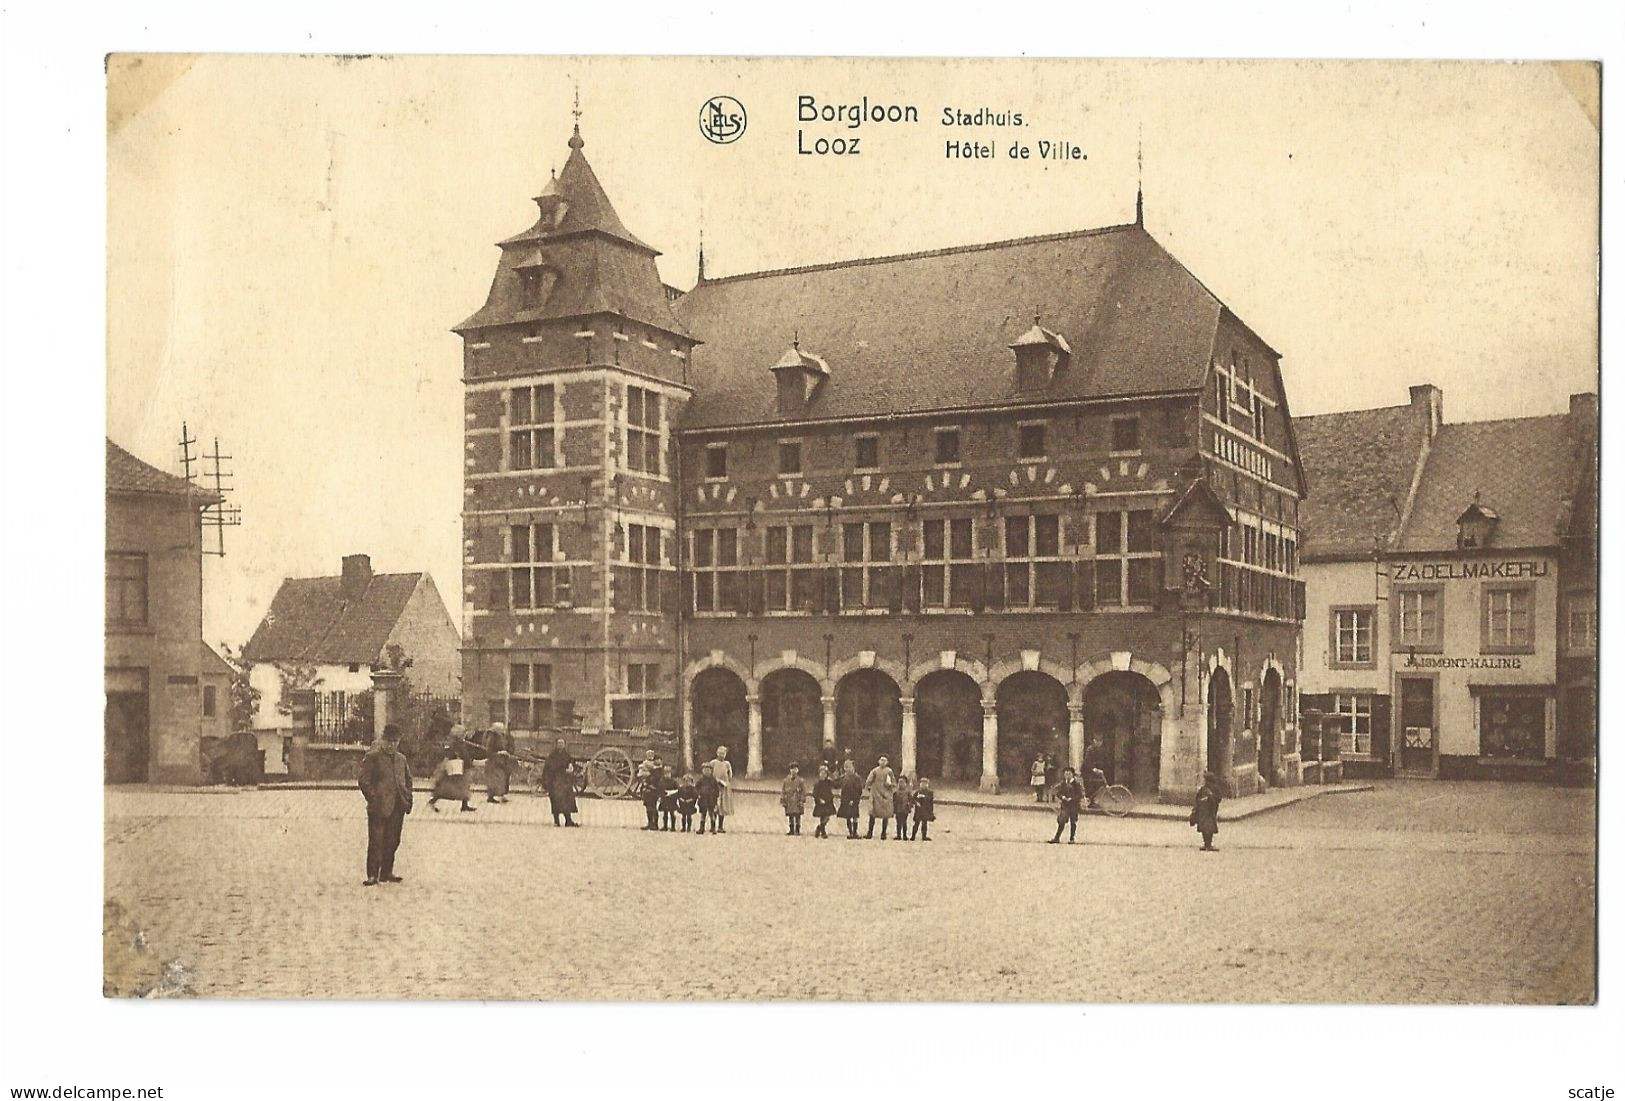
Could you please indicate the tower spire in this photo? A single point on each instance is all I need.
(575, 134)
(702, 254)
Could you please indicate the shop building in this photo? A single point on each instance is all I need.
(154, 668)
(959, 507)
(1435, 652)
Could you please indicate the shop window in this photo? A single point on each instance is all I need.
(1352, 631)
(947, 446)
(718, 582)
(1512, 726)
(1421, 620)
(1351, 717)
(948, 571)
(867, 578)
(716, 460)
(1508, 619)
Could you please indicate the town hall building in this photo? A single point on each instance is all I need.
(962, 507)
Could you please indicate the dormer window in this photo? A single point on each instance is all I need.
(1040, 356)
(1475, 527)
(799, 375)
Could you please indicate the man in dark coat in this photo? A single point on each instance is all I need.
(1205, 814)
(558, 775)
(1069, 796)
(386, 782)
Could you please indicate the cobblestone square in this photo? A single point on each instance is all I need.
(1414, 892)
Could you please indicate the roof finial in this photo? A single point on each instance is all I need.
(575, 135)
(1139, 178)
(795, 339)
(702, 254)
(1036, 315)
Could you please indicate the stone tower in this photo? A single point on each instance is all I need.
(574, 371)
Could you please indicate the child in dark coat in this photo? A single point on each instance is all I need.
(1205, 814)
(709, 791)
(851, 795)
(688, 799)
(794, 799)
(1069, 794)
(925, 809)
(652, 777)
(902, 804)
(823, 793)
(668, 801)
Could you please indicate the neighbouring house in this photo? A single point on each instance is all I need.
(215, 684)
(1451, 588)
(153, 623)
(328, 634)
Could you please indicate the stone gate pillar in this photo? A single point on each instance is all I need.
(1074, 736)
(753, 743)
(688, 730)
(385, 683)
(829, 720)
(910, 735)
(990, 746)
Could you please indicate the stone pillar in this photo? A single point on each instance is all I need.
(910, 735)
(829, 720)
(688, 730)
(753, 744)
(385, 683)
(990, 746)
(1074, 736)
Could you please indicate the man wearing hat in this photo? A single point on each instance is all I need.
(386, 783)
(1205, 814)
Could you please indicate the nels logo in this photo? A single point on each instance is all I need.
(722, 120)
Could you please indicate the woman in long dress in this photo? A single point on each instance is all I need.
(724, 774)
(558, 774)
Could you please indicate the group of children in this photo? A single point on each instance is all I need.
(889, 798)
(671, 803)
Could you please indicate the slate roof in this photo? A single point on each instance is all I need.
(128, 474)
(309, 620)
(597, 265)
(213, 665)
(1359, 466)
(1520, 469)
(933, 330)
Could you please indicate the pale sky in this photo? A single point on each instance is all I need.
(291, 239)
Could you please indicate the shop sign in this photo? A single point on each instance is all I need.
(1457, 571)
(1439, 661)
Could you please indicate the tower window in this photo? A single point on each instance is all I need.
(789, 456)
(947, 440)
(1031, 443)
(642, 430)
(868, 452)
(716, 460)
(1125, 433)
(531, 440)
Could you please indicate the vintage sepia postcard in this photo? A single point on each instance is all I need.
(627, 529)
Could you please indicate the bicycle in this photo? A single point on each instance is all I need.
(1113, 799)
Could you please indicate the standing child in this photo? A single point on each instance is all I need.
(650, 780)
(1036, 778)
(688, 798)
(794, 799)
(1069, 794)
(902, 802)
(851, 796)
(823, 801)
(668, 800)
(708, 789)
(1205, 814)
(925, 809)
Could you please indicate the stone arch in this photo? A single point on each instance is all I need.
(1220, 699)
(1031, 661)
(948, 709)
(870, 660)
(869, 715)
(1160, 679)
(972, 668)
(1271, 697)
(718, 713)
(797, 661)
(1033, 706)
(718, 659)
(791, 713)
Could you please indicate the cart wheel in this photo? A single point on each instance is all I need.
(1116, 800)
(609, 773)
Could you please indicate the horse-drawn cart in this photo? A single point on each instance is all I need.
(605, 760)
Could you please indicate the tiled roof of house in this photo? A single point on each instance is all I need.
(1359, 466)
(213, 664)
(309, 620)
(933, 330)
(128, 474)
(1518, 468)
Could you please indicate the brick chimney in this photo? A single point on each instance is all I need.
(356, 577)
(1428, 402)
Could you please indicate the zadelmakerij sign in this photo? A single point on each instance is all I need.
(1467, 571)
